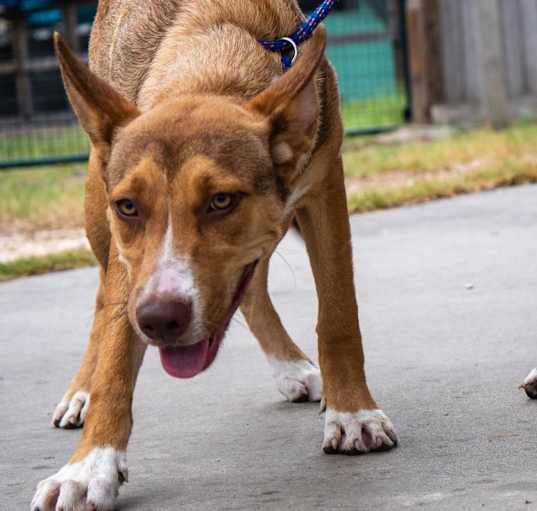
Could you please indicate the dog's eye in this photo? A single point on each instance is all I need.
(222, 201)
(127, 208)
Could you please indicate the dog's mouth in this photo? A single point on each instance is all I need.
(188, 361)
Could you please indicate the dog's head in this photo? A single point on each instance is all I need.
(200, 189)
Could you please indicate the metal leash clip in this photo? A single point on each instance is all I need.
(294, 46)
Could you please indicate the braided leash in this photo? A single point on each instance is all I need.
(303, 32)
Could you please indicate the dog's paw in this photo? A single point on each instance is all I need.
(91, 484)
(530, 384)
(71, 411)
(358, 433)
(297, 380)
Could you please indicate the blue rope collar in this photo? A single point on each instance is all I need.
(284, 45)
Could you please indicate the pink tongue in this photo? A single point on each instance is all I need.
(185, 362)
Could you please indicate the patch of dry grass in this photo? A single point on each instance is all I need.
(381, 176)
(518, 141)
(38, 265)
(42, 198)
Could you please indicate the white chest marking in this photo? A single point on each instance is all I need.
(173, 276)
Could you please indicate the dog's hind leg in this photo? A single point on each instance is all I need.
(72, 409)
(297, 378)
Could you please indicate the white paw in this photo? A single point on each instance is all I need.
(358, 433)
(297, 380)
(71, 412)
(530, 384)
(90, 484)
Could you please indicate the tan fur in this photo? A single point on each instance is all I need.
(184, 103)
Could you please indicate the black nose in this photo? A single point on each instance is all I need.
(164, 318)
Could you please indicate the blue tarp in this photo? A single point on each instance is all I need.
(38, 12)
(27, 5)
(46, 12)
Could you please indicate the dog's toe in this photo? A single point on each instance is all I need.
(358, 433)
(71, 411)
(298, 380)
(530, 384)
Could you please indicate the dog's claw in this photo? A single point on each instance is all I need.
(71, 411)
(123, 475)
(530, 384)
(335, 441)
(360, 447)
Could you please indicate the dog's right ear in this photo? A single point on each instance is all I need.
(99, 108)
(291, 106)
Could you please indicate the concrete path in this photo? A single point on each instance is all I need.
(448, 295)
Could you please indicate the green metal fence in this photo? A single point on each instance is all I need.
(42, 141)
(365, 44)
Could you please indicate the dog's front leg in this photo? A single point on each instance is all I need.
(97, 468)
(298, 379)
(354, 423)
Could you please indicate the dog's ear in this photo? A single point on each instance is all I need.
(99, 108)
(291, 104)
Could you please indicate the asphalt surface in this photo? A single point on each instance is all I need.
(448, 300)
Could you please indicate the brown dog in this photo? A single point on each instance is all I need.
(202, 155)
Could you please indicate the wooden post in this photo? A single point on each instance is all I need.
(425, 55)
(394, 28)
(19, 40)
(529, 22)
(434, 55)
(494, 100)
(70, 21)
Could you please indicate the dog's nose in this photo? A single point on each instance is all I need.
(164, 318)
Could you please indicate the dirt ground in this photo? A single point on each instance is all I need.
(21, 245)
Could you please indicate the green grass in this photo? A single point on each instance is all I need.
(45, 264)
(374, 112)
(42, 197)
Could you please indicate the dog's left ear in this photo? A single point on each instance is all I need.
(291, 104)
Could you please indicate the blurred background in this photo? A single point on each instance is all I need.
(366, 46)
(439, 97)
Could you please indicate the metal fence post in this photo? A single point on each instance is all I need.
(20, 50)
(70, 21)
